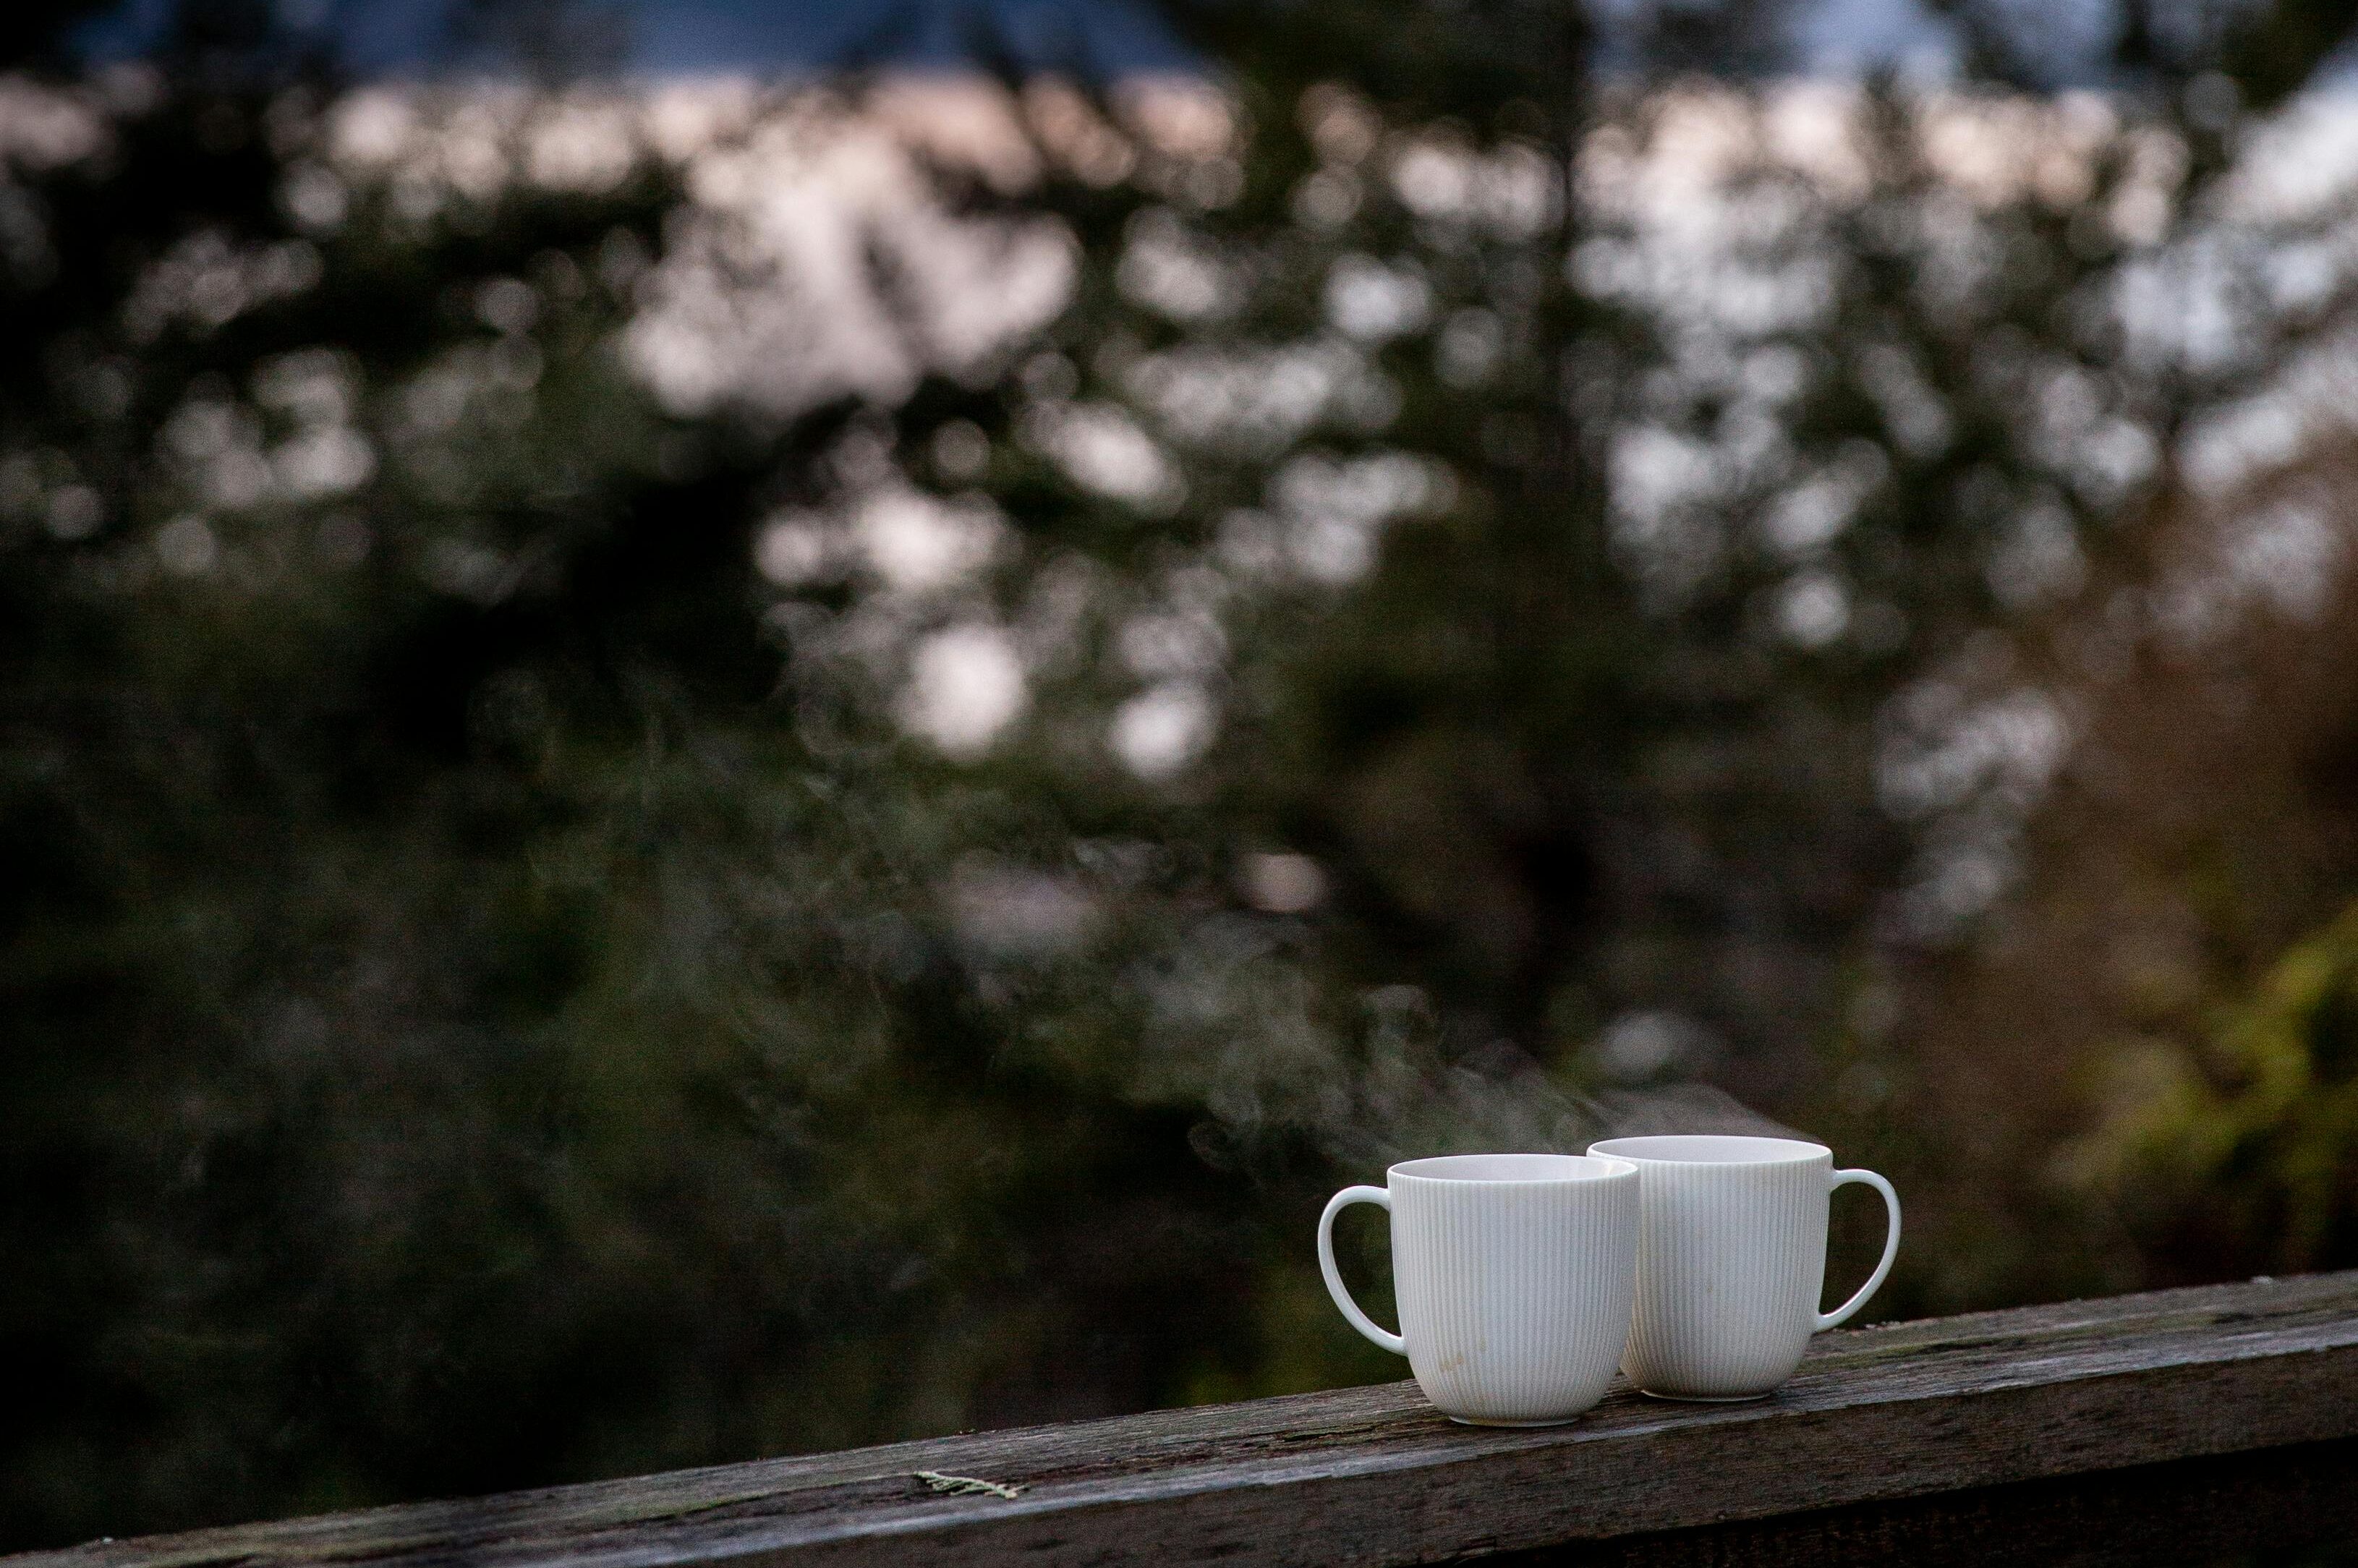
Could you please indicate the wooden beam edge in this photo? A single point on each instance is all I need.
(2150, 1345)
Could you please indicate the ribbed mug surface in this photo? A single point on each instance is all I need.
(1515, 1275)
(1731, 1260)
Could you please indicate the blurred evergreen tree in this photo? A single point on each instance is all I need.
(462, 1033)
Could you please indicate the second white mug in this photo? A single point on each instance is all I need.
(1731, 1257)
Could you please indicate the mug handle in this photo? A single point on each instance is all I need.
(1890, 1244)
(1334, 1286)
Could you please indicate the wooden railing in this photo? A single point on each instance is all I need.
(2181, 1427)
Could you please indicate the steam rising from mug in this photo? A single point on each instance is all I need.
(1401, 1092)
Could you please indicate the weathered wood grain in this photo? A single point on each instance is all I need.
(1902, 1422)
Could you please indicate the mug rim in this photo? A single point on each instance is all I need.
(1751, 1149)
(1547, 1170)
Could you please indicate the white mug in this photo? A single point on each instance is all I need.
(1514, 1274)
(1731, 1257)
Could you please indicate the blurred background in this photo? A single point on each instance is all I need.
(734, 728)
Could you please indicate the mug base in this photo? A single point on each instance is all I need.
(1708, 1399)
(1544, 1421)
